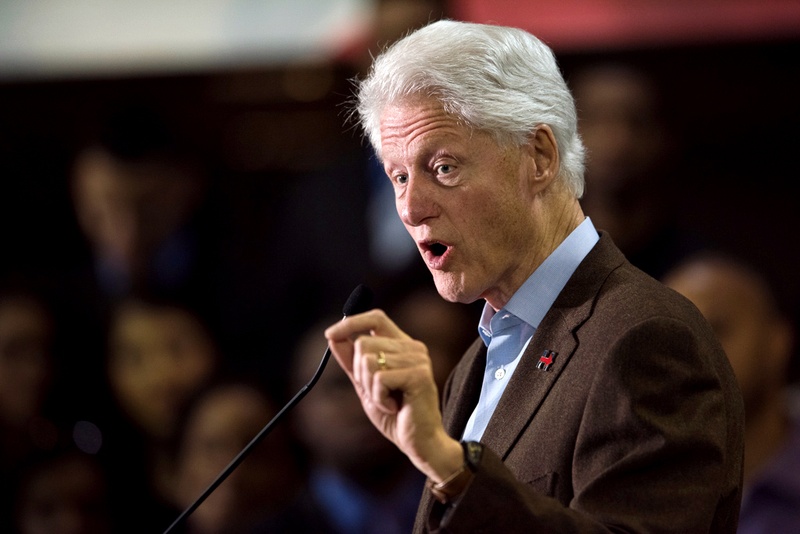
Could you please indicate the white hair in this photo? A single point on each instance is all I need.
(496, 79)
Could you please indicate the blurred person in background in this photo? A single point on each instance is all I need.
(631, 164)
(219, 423)
(27, 369)
(66, 491)
(160, 354)
(759, 339)
(138, 187)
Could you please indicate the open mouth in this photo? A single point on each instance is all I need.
(437, 249)
(435, 253)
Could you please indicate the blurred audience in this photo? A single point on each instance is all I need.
(160, 354)
(221, 421)
(27, 368)
(632, 165)
(65, 491)
(140, 192)
(758, 337)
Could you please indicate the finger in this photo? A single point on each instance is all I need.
(342, 343)
(344, 353)
(376, 322)
(368, 369)
(384, 398)
(397, 353)
(366, 365)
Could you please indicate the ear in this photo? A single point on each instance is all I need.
(543, 150)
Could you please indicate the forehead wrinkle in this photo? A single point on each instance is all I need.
(406, 133)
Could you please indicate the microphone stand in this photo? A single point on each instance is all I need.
(244, 452)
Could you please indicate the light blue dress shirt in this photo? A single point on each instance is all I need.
(520, 318)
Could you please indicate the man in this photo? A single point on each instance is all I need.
(615, 407)
(758, 338)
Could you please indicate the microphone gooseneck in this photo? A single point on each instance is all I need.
(359, 301)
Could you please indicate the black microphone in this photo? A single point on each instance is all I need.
(358, 301)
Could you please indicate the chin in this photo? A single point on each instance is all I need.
(451, 287)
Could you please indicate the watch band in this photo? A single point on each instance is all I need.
(454, 485)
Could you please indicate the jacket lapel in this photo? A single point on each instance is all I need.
(557, 334)
(465, 387)
(529, 385)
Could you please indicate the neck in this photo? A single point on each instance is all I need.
(552, 228)
(556, 213)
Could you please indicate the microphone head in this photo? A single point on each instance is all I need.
(359, 300)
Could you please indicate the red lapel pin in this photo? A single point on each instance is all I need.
(546, 360)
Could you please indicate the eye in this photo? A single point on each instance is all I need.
(444, 169)
(401, 178)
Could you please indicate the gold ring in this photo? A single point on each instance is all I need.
(382, 360)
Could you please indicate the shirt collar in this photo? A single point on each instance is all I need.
(536, 295)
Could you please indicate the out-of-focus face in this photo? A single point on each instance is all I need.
(158, 358)
(25, 359)
(464, 199)
(128, 209)
(220, 425)
(620, 128)
(627, 150)
(737, 307)
(68, 496)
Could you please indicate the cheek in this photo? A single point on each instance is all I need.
(489, 230)
(498, 225)
(195, 366)
(475, 215)
(126, 382)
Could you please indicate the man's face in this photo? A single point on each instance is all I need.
(463, 198)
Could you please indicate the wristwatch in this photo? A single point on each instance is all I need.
(454, 485)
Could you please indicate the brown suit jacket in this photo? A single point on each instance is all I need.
(636, 427)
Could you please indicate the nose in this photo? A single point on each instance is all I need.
(417, 201)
